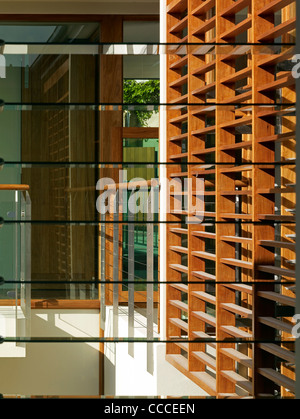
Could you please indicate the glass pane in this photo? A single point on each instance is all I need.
(49, 79)
(51, 32)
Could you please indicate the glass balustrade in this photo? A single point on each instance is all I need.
(80, 241)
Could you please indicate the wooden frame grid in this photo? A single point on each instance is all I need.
(224, 270)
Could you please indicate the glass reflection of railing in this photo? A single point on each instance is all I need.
(143, 48)
(124, 294)
(17, 298)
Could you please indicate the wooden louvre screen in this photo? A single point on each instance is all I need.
(228, 273)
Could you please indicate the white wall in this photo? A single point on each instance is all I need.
(63, 369)
(128, 376)
(72, 369)
(11, 321)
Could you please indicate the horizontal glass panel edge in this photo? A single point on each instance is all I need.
(121, 48)
(171, 399)
(4, 340)
(155, 222)
(116, 165)
(4, 43)
(208, 106)
(124, 282)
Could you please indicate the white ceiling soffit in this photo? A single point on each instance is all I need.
(100, 7)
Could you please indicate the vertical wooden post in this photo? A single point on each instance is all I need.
(176, 267)
(288, 200)
(194, 262)
(261, 205)
(110, 147)
(224, 204)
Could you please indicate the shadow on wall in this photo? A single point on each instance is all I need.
(66, 369)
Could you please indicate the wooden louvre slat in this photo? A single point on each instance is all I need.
(275, 296)
(205, 358)
(177, 6)
(204, 296)
(237, 29)
(279, 351)
(278, 30)
(242, 311)
(179, 26)
(203, 8)
(205, 26)
(234, 8)
(278, 378)
(238, 379)
(274, 6)
(237, 356)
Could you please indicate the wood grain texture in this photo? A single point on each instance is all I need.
(235, 136)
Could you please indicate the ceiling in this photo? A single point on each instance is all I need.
(80, 7)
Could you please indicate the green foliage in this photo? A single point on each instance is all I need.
(146, 92)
